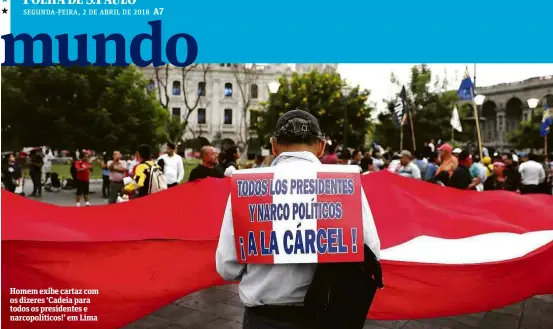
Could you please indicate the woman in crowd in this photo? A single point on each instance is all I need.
(11, 173)
(499, 180)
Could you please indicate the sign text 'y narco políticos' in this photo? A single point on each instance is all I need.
(27, 42)
(285, 215)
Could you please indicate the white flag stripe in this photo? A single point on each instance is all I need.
(455, 121)
(484, 248)
(288, 171)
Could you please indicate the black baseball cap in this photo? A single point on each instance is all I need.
(311, 125)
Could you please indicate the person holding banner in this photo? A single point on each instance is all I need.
(287, 226)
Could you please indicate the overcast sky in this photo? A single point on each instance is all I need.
(376, 77)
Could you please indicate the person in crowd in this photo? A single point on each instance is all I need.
(511, 169)
(105, 175)
(47, 168)
(406, 167)
(330, 157)
(11, 173)
(35, 171)
(345, 157)
(461, 178)
(173, 168)
(478, 173)
(426, 149)
(367, 165)
(274, 294)
(487, 162)
(259, 159)
(207, 167)
(131, 164)
(232, 154)
(356, 157)
(448, 161)
(82, 182)
(432, 167)
(421, 162)
(117, 168)
(499, 180)
(143, 172)
(532, 174)
(432, 145)
(378, 160)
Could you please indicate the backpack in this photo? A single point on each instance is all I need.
(157, 180)
(73, 170)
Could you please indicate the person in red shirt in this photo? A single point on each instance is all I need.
(83, 178)
(330, 157)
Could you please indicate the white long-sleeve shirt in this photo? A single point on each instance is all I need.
(173, 169)
(278, 284)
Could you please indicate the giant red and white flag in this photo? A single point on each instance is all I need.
(445, 252)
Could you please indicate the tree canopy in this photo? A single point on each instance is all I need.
(527, 135)
(99, 108)
(431, 113)
(321, 95)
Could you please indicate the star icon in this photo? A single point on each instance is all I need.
(4, 11)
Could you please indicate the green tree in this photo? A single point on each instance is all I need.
(321, 95)
(79, 107)
(431, 113)
(527, 135)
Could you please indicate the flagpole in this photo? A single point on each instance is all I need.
(412, 131)
(545, 145)
(452, 136)
(401, 137)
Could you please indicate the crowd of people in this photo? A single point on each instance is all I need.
(454, 167)
(130, 177)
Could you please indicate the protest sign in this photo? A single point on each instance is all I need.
(286, 215)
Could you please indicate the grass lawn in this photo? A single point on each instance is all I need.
(63, 169)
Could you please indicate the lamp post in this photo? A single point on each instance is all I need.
(478, 101)
(532, 104)
(273, 86)
(345, 93)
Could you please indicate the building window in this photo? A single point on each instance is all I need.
(228, 64)
(222, 64)
(201, 116)
(176, 88)
(253, 91)
(151, 85)
(176, 112)
(201, 88)
(228, 89)
(228, 117)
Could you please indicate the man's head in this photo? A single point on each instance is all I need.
(357, 155)
(507, 159)
(116, 155)
(465, 158)
(296, 131)
(405, 157)
(434, 158)
(84, 156)
(209, 156)
(367, 164)
(522, 157)
(144, 152)
(171, 149)
(345, 156)
(445, 150)
(232, 154)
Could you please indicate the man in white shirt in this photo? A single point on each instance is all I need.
(47, 168)
(406, 167)
(274, 294)
(531, 174)
(173, 168)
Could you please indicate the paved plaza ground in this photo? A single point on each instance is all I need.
(220, 307)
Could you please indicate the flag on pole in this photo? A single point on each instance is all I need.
(400, 109)
(466, 89)
(455, 121)
(546, 121)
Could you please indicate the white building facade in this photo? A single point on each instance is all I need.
(215, 108)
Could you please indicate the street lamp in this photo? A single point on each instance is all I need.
(479, 99)
(273, 87)
(345, 93)
(532, 104)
